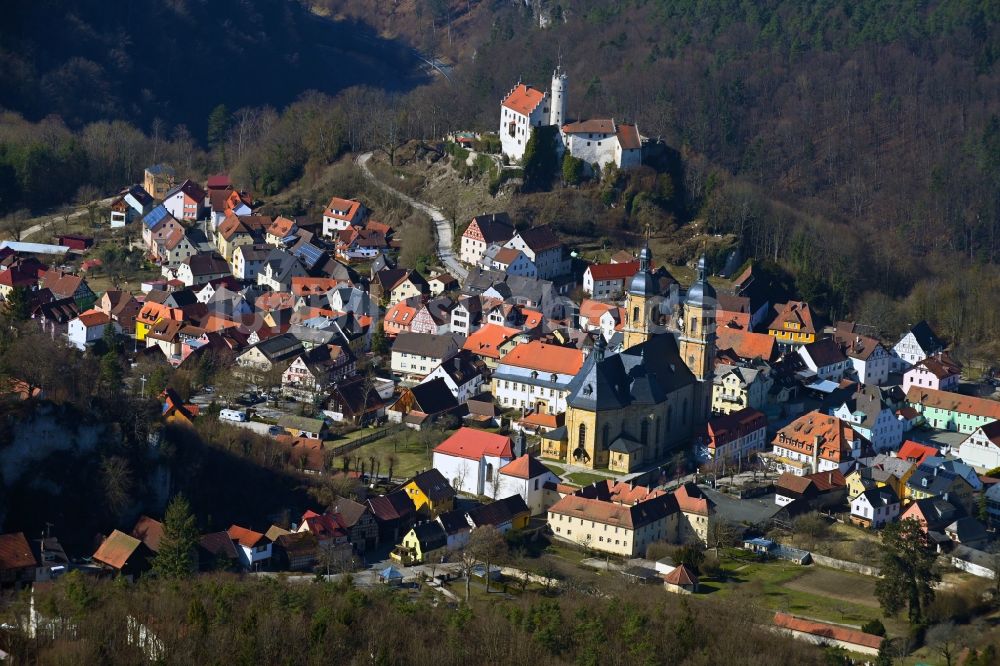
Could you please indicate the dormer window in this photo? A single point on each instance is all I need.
(588, 389)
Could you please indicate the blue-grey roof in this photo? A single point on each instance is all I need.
(155, 216)
(701, 292)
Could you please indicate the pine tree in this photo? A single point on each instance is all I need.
(16, 306)
(111, 372)
(176, 557)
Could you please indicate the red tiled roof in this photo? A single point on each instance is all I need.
(525, 467)
(247, 538)
(116, 549)
(92, 318)
(537, 355)
(795, 312)
(488, 340)
(613, 271)
(746, 344)
(834, 435)
(915, 452)
(681, 575)
(690, 499)
(523, 99)
(15, 552)
(628, 137)
(829, 631)
(953, 402)
(342, 209)
(474, 444)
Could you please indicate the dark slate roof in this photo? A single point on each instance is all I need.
(393, 506)
(433, 484)
(498, 512)
(207, 263)
(883, 496)
(644, 374)
(434, 397)
(453, 521)
(925, 337)
(540, 238)
(219, 544)
(426, 344)
(463, 367)
(825, 352)
(280, 347)
(933, 480)
(625, 444)
(431, 535)
(868, 401)
(495, 227)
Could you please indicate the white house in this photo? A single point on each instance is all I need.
(202, 268)
(471, 460)
(341, 214)
(417, 354)
(542, 246)
(522, 109)
(873, 419)
(131, 203)
(604, 281)
(916, 344)
(87, 329)
(535, 376)
(981, 449)
(603, 141)
(462, 373)
(937, 371)
(186, 201)
(875, 507)
(253, 547)
(825, 358)
(483, 231)
(509, 260)
(248, 260)
(869, 359)
(527, 476)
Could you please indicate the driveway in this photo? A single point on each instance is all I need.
(442, 226)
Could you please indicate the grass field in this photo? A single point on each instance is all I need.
(584, 478)
(412, 454)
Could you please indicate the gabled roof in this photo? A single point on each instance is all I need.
(425, 344)
(613, 271)
(15, 552)
(218, 544)
(493, 227)
(525, 467)
(350, 512)
(926, 338)
(207, 263)
(594, 125)
(628, 137)
(454, 521)
(246, 537)
(190, 189)
(523, 99)
(431, 535)
(954, 402)
(475, 444)
(681, 575)
(433, 484)
(149, 531)
(117, 549)
(915, 452)
(156, 217)
(746, 344)
(61, 284)
(498, 512)
(833, 436)
(940, 365)
(537, 355)
(393, 506)
(343, 209)
(540, 238)
(795, 312)
(829, 632)
(825, 352)
(487, 340)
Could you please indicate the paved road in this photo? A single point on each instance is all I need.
(46, 220)
(442, 225)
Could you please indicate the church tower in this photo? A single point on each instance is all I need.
(637, 298)
(697, 343)
(557, 112)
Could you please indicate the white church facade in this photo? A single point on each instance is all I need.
(600, 141)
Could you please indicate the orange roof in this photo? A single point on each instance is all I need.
(92, 318)
(116, 549)
(794, 312)
(834, 436)
(525, 467)
(402, 313)
(828, 631)
(613, 271)
(474, 444)
(544, 420)
(536, 355)
(488, 340)
(506, 255)
(281, 227)
(681, 575)
(915, 452)
(523, 99)
(247, 538)
(628, 137)
(306, 286)
(274, 300)
(746, 344)
(691, 500)
(15, 552)
(532, 318)
(342, 209)
(953, 402)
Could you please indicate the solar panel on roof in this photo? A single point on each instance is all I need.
(310, 254)
(154, 216)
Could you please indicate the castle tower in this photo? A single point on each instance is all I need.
(557, 112)
(640, 290)
(697, 343)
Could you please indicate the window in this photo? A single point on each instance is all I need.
(605, 435)
(635, 314)
(582, 437)
(644, 431)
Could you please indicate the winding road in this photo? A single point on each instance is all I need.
(442, 226)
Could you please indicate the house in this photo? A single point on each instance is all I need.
(415, 355)
(225, 202)
(603, 141)
(87, 329)
(423, 404)
(824, 634)
(216, 551)
(882, 470)
(202, 268)
(969, 532)
(523, 109)
(816, 442)
(186, 201)
(981, 449)
(992, 495)
(394, 513)
(313, 371)
(482, 232)
(17, 560)
(471, 459)
(236, 231)
(358, 401)
(431, 492)
(933, 513)
(872, 418)
(157, 225)
(67, 285)
(281, 231)
(735, 344)
(248, 260)
(158, 179)
(296, 551)
(509, 261)
(682, 580)
(916, 453)
(736, 436)
(916, 344)
(301, 426)
(875, 507)
(936, 480)
(543, 248)
(819, 490)
(149, 531)
(527, 476)
(607, 281)
(331, 537)
(535, 376)
(360, 523)
(946, 410)
(254, 548)
(408, 285)
(937, 371)
(739, 387)
(491, 342)
(456, 527)
(179, 245)
(423, 543)
(464, 373)
(353, 244)
(441, 283)
(825, 358)
(268, 354)
(793, 326)
(279, 269)
(342, 214)
(870, 361)
(433, 316)
(509, 513)
(124, 555)
(131, 204)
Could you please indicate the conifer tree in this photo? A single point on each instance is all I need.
(176, 558)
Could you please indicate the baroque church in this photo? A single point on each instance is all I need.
(628, 410)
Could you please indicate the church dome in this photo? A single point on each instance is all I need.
(643, 282)
(701, 292)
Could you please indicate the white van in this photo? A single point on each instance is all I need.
(232, 415)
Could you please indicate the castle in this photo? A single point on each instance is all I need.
(625, 411)
(600, 141)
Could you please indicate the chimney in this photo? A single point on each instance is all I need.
(815, 453)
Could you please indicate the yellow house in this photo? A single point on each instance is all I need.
(887, 471)
(410, 285)
(420, 544)
(794, 324)
(430, 492)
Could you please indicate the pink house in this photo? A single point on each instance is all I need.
(939, 372)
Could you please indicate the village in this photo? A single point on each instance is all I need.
(668, 432)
